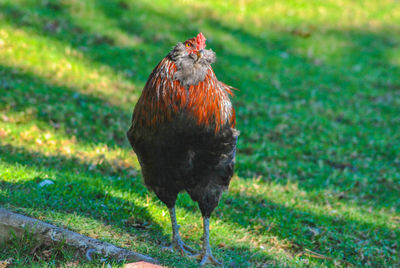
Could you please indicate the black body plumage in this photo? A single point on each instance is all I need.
(179, 155)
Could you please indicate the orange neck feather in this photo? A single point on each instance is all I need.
(208, 101)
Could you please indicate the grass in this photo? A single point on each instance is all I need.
(318, 169)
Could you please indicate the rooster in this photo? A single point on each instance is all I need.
(183, 132)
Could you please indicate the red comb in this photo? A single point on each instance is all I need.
(201, 41)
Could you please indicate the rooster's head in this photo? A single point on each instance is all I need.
(196, 44)
(193, 48)
(192, 60)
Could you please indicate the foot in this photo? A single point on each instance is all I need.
(206, 257)
(177, 243)
(182, 248)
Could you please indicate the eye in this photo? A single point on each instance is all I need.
(188, 45)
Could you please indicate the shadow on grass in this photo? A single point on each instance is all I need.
(88, 118)
(79, 188)
(334, 236)
(56, 22)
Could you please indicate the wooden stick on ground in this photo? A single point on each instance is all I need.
(48, 233)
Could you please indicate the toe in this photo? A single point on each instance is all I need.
(215, 261)
(191, 250)
(180, 247)
(196, 256)
(208, 258)
(168, 248)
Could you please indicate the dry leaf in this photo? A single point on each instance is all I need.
(6, 263)
(72, 264)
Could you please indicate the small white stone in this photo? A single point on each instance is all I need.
(46, 182)
(357, 68)
(284, 55)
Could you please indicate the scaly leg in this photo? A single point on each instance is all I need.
(206, 255)
(177, 243)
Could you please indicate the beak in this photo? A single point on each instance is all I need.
(199, 54)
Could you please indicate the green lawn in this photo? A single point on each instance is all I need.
(318, 168)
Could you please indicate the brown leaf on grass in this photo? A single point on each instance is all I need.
(71, 264)
(304, 31)
(396, 218)
(47, 253)
(93, 235)
(6, 263)
(123, 5)
(53, 5)
(3, 132)
(301, 33)
(53, 27)
(5, 118)
(136, 223)
(316, 255)
(99, 39)
(339, 165)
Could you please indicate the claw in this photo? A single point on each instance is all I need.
(206, 258)
(189, 249)
(209, 258)
(181, 247)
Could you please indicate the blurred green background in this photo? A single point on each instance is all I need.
(318, 107)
